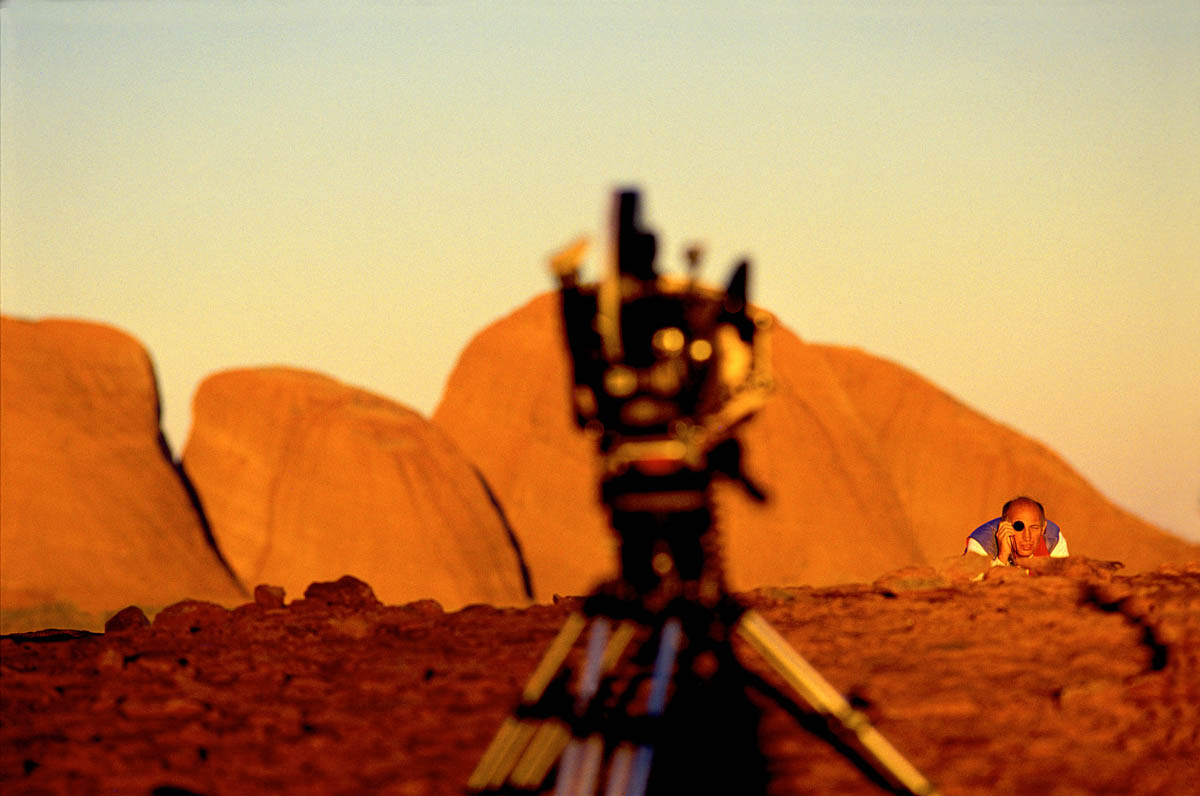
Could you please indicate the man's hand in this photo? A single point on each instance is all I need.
(1004, 540)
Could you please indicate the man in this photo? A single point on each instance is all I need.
(1020, 532)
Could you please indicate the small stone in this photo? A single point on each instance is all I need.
(1006, 574)
(110, 660)
(191, 615)
(911, 579)
(963, 568)
(346, 591)
(128, 618)
(353, 626)
(269, 597)
(154, 708)
(423, 609)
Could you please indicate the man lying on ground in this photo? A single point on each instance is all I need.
(1020, 532)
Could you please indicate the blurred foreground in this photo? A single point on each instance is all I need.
(1067, 680)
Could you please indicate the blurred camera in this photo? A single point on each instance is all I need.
(1018, 526)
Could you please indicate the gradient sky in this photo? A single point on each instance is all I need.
(1004, 197)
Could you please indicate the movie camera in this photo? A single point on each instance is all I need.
(663, 373)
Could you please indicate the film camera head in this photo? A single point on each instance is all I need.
(663, 367)
(1018, 526)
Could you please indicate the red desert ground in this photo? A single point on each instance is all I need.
(467, 536)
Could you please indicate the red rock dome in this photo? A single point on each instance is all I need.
(305, 479)
(953, 468)
(94, 516)
(869, 467)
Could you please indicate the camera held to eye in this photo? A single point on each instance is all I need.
(1018, 526)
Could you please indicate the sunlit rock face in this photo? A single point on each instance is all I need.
(833, 516)
(93, 515)
(868, 466)
(954, 468)
(305, 479)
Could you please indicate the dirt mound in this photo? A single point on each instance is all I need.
(303, 478)
(94, 515)
(869, 467)
(1064, 682)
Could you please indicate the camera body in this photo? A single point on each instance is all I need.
(663, 370)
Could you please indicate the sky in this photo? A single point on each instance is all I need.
(1004, 197)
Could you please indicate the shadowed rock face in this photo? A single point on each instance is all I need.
(94, 517)
(869, 467)
(303, 478)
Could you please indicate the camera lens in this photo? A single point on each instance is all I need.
(1018, 526)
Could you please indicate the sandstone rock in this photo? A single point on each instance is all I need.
(961, 568)
(912, 579)
(869, 467)
(129, 618)
(954, 468)
(1078, 567)
(506, 406)
(268, 596)
(423, 609)
(191, 615)
(305, 479)
(346, 591)
(834, 516)
(1007, 574)
(94, 516)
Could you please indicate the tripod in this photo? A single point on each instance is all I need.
(654, 699)
(600, 709)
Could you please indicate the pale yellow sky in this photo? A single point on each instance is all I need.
(981, 192)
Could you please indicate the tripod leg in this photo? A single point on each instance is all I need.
(546, 747)
(553, 735)
(664, 665)
(568, 769)
(502, 753)
(619, 771)
(822, 697)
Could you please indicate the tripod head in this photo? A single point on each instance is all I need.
(663, 368)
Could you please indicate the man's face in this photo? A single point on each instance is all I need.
(1026, 540)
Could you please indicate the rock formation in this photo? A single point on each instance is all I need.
(950, 465)
(303, 478)
(869, 467)
(94, 516)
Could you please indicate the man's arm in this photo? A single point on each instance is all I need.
(976, 548)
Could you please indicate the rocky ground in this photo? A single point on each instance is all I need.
(1071, 679)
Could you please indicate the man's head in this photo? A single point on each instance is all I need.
(1029, 520)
